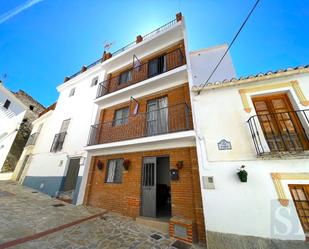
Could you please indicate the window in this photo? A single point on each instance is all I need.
(300, 195)
(72, 92)
(65, 125)
(114, 171)
(7, 104)
(121, 116)
(31, 107)
(59, 138)
(125, 77)
(157, 66)
(94, 81)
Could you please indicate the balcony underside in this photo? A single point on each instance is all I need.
(172, 140)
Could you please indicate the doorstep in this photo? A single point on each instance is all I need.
(154, 223)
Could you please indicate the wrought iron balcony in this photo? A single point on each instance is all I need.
(32, 139)
(58, 142)
(161, 121)
(142, 72)
(280, 132)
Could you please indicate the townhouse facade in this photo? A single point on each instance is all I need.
(17, 111)
(141, 150)
(252, 140)
(121, 135)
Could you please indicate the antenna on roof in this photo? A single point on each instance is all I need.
(3, 77)
(108, 45)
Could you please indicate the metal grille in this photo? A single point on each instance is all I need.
(300, 194)
(32, 139)
(176, 118)
(282, 131)
(145, 37)
(58, 142)
(142, 72)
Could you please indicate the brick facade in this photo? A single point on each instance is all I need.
(125, 197)
(175, 56)
(179, 116)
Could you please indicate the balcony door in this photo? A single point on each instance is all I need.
(157, 66)
(281, 126)
(157, 116)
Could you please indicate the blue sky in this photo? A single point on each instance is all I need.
(54, 38)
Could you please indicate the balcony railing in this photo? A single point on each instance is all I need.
(32, 139)
(142, 72)
(280, 132)
(161, 121)
(145, 37)
(58, 142)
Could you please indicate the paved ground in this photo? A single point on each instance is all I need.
(28, 212)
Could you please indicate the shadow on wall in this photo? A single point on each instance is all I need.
(50, 185)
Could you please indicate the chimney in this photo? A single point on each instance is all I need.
(84, 68)
(139, 38)
(178, 17)
(66, 78)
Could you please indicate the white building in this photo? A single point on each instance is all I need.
(17, 110)
(260, 122)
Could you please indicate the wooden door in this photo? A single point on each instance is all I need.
(281, 126)
(300, 195)
(149, 187)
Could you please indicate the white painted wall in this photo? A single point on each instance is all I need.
(235, 207)
(204, 61)
(10, 118)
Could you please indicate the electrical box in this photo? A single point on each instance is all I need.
(174, 174)
(208, 182)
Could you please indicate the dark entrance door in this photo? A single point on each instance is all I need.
(149, 187)
(72, 175)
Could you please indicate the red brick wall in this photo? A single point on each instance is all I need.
(175, 58)
(136, 126)
(125, 197)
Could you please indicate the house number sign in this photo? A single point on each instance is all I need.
(224, 145)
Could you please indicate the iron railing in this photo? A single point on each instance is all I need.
(279, 132)
(145, 37)
(139, 73)
(58, 142)
(161, 121)
(32, 139)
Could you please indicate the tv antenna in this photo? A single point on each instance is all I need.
(108, 45)
(3, 77)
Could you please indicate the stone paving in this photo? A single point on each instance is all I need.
(26, 213)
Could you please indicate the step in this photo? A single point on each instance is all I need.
(158, 224)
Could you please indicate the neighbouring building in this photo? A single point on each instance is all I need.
(253, 155)
(17, 111)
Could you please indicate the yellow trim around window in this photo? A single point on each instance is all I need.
(294, 84)
(278, 177)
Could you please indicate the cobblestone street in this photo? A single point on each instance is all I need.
(25, 212)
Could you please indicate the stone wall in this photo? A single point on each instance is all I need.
(34, 108)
